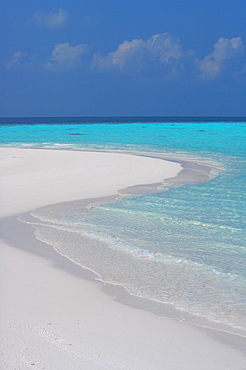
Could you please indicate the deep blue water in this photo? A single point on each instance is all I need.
(182, 246)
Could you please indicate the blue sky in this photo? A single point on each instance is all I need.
(123, 58)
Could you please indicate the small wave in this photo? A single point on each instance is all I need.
(191, 281)
(136, 252)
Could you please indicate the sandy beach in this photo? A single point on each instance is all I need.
(54, 314)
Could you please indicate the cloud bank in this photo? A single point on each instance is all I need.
(52, 20)
(161, 56)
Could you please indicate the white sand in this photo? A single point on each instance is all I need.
(33, 178)
(51, 319)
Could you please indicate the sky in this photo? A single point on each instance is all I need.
(122, 58)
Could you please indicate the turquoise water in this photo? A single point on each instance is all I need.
(182, 246)
(222, 137)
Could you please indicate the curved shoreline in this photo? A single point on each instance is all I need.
(118, 290)
(24, 239)
(36, 295)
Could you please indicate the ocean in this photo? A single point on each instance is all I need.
(182, 247)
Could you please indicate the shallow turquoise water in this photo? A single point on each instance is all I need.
(182, 246)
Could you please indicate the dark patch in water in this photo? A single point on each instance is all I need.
(76, 134)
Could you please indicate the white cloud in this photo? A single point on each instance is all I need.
(17, 59)
(51, 20)
(160, 51)
(225, 49)
(64, 56)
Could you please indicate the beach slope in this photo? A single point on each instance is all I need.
(54, 315)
